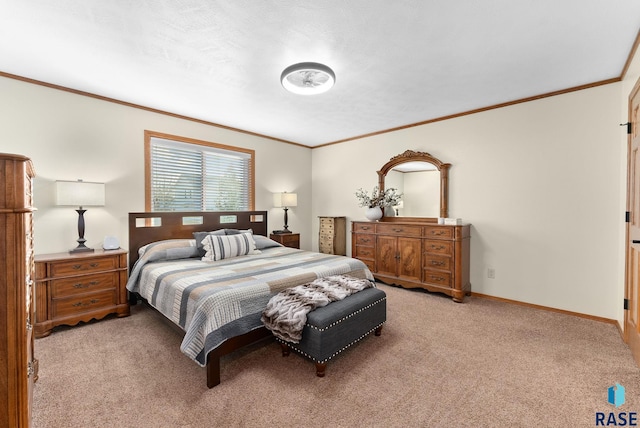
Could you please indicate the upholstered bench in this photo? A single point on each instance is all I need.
(333, 328)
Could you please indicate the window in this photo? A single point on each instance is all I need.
(190, 175)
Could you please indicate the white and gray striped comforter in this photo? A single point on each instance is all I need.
(214, 301)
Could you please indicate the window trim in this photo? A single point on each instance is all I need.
(147, 162)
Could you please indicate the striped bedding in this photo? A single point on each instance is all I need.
(214, 301)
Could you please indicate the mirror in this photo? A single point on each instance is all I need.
(423, 180)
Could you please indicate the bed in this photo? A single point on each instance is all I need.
(217, 303)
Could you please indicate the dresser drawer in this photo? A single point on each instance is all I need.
(71, 306)
(438, 247)
(370, 264)
(364, 227)
(432, 261)
(438, 232)
(365, 239)
(72, 267)
(82, 284)
(326, 224)
(326, 247)
(437, 278)
(398, 229)
(364, 252)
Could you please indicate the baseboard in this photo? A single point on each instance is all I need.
(547, 308)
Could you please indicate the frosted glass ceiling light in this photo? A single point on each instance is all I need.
(308, 78)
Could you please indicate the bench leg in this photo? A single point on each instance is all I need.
(285, 350)
(320, 368)
(378, 331)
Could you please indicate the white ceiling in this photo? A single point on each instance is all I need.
(396, 62)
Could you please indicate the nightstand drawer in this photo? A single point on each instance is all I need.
(82, 284)
(82, 266)
(71, 306)
(291, 240)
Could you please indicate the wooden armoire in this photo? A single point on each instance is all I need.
(18, 368)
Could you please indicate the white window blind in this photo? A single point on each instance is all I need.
(194, 177)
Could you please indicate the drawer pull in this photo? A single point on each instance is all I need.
(398, 230)
(437, 247)
(365, 228)
(437, 278)
(82, 285)
(76, 267)
(437, 232)
(94, 265)
(91, 302)
(437, 263)
(366, 240)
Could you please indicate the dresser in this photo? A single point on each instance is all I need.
(71, 288)
(287, 239)
(333, 235)
(430, 256)
(18, 367)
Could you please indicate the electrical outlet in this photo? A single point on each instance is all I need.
(491, 273)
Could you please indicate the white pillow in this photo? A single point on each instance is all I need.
(220, 247)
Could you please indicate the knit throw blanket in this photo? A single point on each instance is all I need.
(286, 312)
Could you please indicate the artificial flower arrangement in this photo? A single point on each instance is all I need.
(388, 198)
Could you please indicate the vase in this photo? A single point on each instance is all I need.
(373, 214)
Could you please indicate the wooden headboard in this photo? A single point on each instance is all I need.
(145, 228)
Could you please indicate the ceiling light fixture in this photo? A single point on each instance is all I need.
(308, 78)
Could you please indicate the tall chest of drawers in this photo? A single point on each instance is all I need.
(71, 288)
(333, 235)
(416, 255)
(18, 367)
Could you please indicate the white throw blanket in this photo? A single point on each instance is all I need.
(286, 312)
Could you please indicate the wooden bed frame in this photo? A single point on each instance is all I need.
(145, 228)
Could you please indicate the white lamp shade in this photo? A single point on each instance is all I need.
(285, 200)
(79, 193)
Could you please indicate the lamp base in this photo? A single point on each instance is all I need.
(81, 249)
(281, 232)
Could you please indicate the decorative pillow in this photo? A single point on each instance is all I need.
(263, 242)
(199, 236)
(236, 231)
(169, 249)
(159, 251)
(220, 247)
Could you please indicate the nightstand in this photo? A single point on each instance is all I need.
(71, 288)
(287, 239)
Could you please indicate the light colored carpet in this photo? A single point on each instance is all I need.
(482, 363)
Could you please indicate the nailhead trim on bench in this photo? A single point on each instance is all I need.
(292, 345)
(348, 316)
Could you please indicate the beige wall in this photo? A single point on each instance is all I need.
(543, 182)
(71, 137)
(540, 182)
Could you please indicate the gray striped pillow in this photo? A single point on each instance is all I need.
(220, 247)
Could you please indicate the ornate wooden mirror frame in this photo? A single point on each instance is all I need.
(413, 156)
